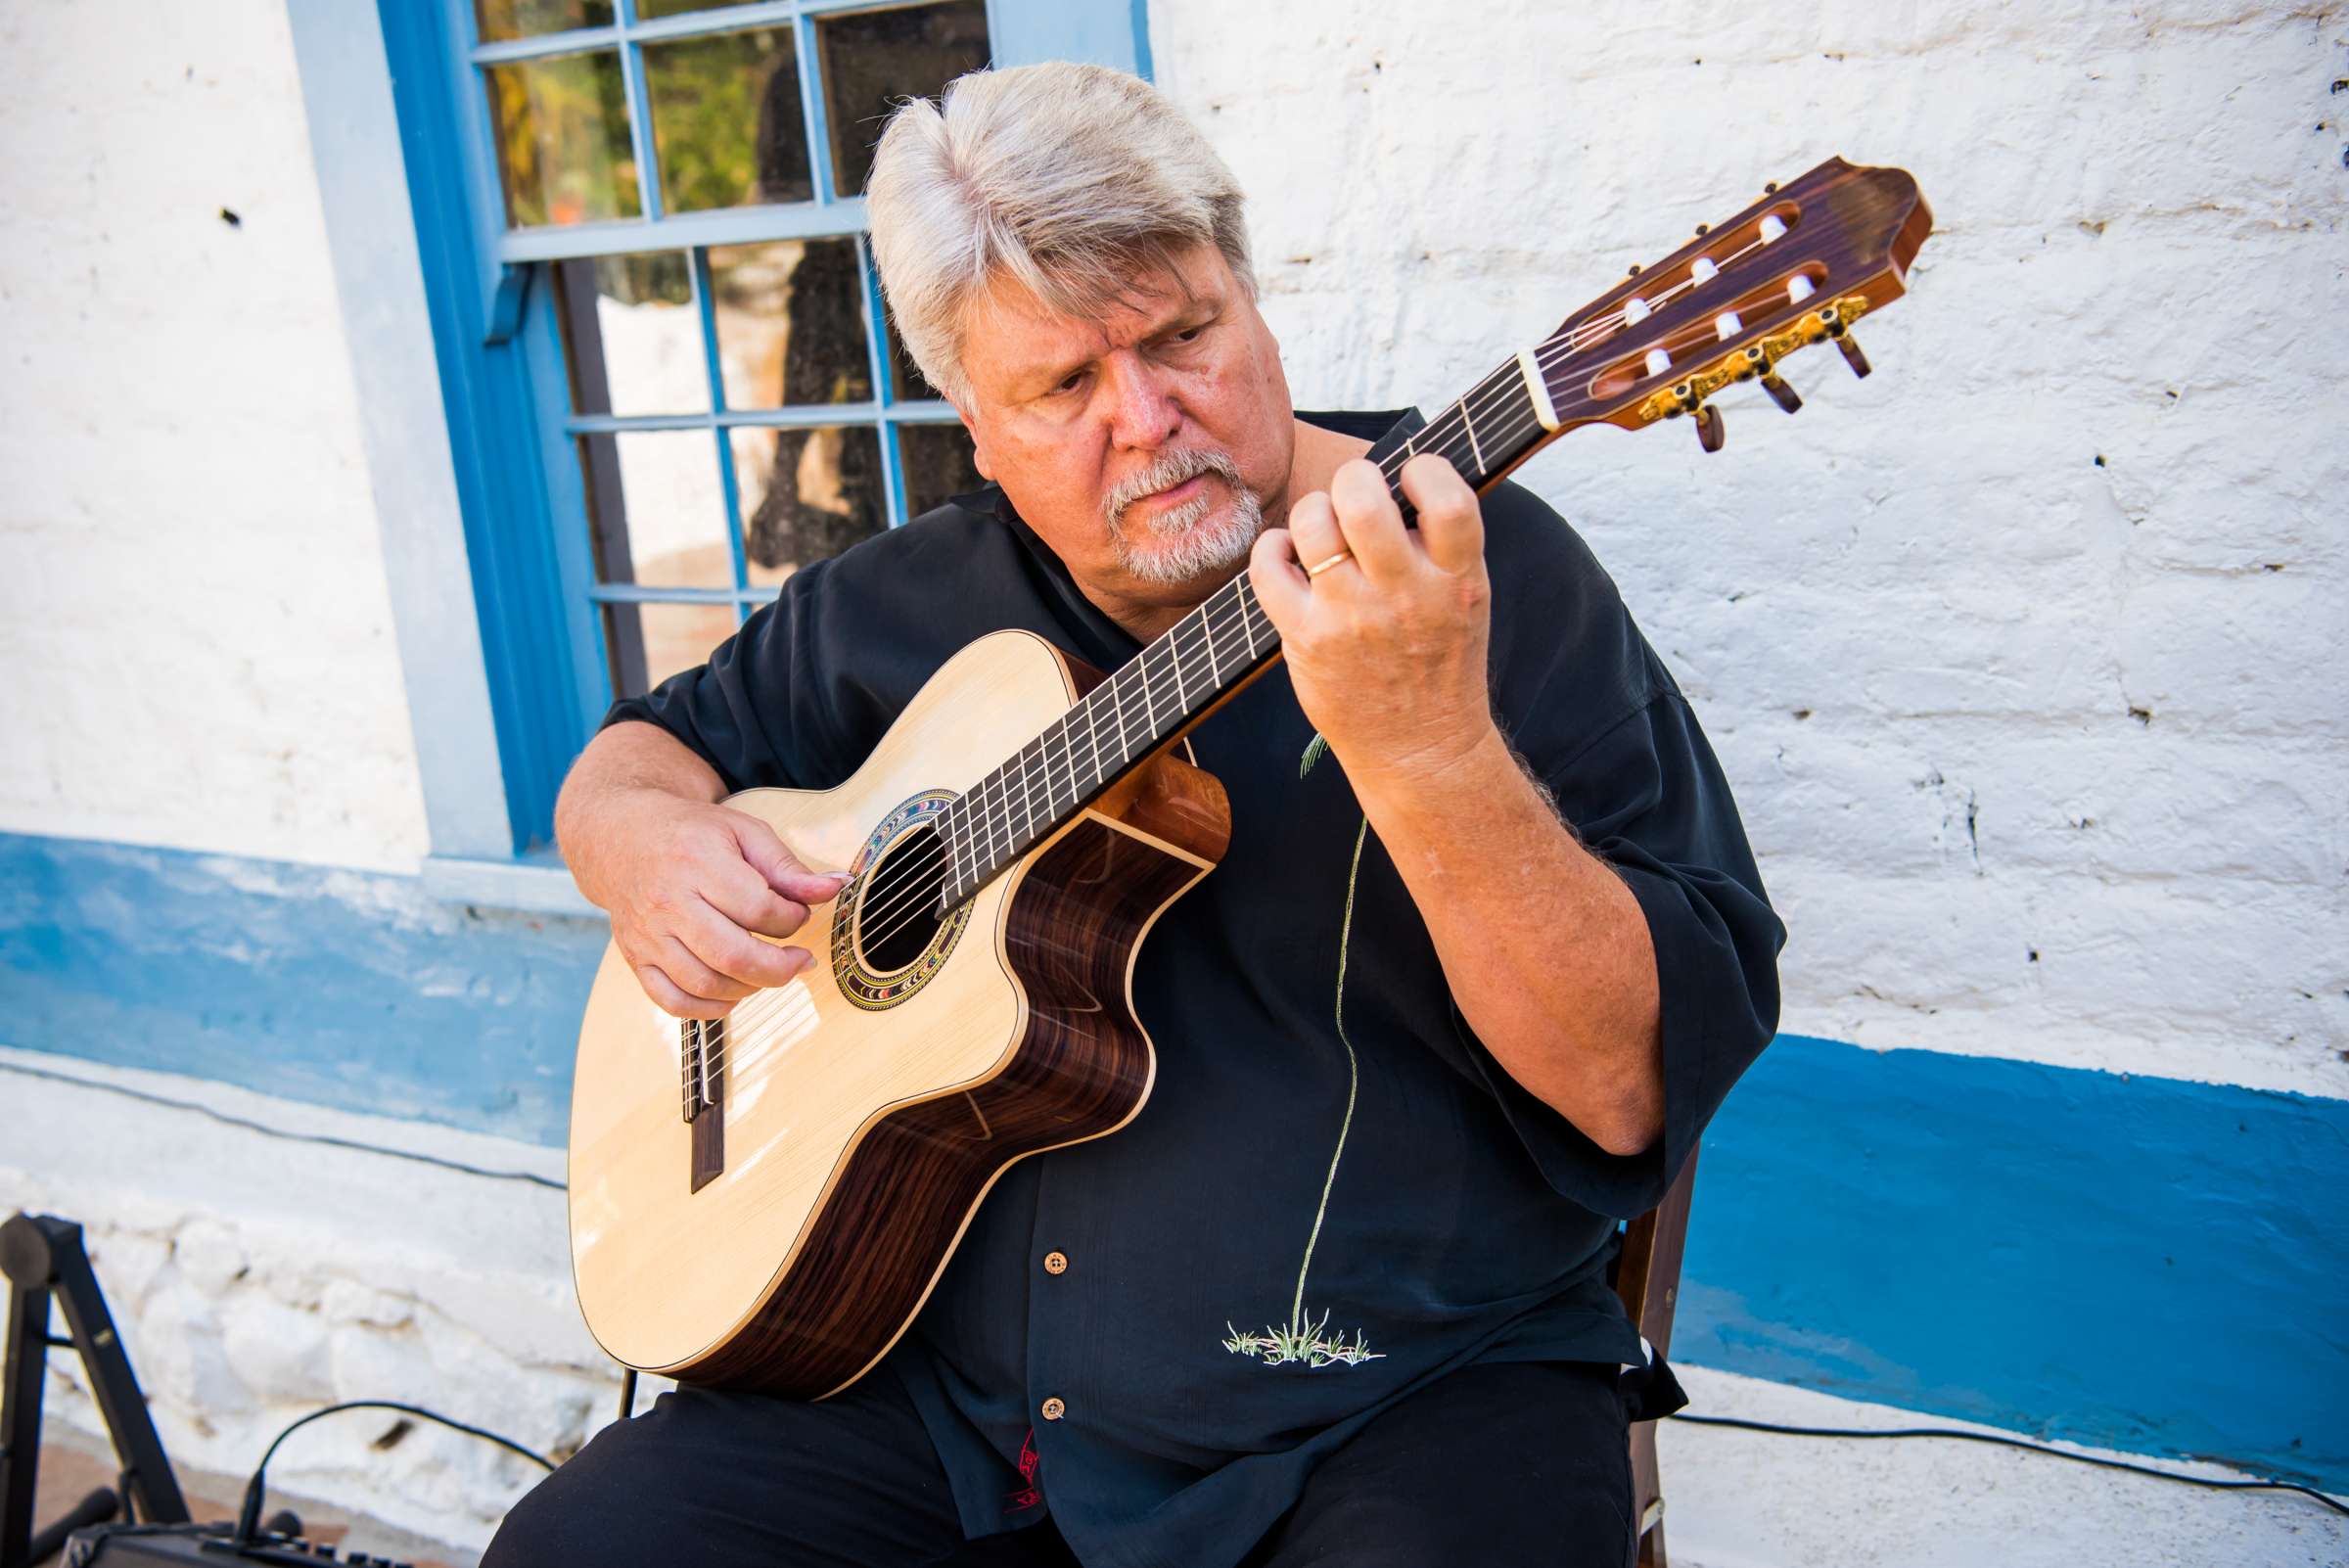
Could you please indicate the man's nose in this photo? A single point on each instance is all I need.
(1144, 412)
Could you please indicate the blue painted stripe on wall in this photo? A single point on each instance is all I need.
(342, 987)
(2133, 1262)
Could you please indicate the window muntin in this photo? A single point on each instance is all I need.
(737, 405)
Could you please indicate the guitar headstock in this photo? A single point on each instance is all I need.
(1796, 268)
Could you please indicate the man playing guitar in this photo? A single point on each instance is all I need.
(1486, 952)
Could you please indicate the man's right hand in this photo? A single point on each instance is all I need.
(693, 889)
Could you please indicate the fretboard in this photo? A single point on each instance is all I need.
(1161, 691)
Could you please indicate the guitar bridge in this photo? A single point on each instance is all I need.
(701, 1053)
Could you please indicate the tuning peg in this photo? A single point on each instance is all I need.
(1780, 393)
(1709, 434)
(1832, 319)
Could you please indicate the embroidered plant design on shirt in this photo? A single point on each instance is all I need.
(1300, 1338)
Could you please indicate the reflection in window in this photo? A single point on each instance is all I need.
(873, 60)
(791, 323)
(906, 382)
(805, 494)
(727, 128)
(639, 348)
(657, 514)
(649, 642)
(518, 18)
(937, 465)
(563, 139)
(654, 10)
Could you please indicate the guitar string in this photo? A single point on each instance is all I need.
(1496, 390)
(1209, 631)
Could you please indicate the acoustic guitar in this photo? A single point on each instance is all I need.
(767, 1200)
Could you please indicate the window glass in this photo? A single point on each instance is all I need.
(937, 465)
(657, 514)
(806, 493)
(517, 19)
(906, 384)
(791, 323)
(654, 10)
(728, 125)
(649, 642)
(639, 348)
(562, 127)
(872, 60)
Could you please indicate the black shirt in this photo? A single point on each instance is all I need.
(1333, 1195)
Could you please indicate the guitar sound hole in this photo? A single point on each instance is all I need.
(898, 915)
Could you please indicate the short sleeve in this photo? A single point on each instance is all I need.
(1642, 789)
(764, 711)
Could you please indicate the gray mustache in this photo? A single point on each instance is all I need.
(1168, 471)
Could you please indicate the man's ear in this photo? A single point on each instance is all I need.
(979, 457)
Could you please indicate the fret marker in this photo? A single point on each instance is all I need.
(1536, 389)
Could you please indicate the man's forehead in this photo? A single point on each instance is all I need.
(1012, 324)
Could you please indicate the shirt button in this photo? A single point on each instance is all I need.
(1055, 1408)
(1056, 1263)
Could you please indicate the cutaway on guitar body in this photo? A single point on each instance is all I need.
(869, 1106)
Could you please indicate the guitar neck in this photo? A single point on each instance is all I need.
(1207, 656)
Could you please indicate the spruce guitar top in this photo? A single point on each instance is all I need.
(767, 1200)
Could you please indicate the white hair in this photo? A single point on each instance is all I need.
(1071, 181)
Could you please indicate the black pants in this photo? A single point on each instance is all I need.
(1498, 1465)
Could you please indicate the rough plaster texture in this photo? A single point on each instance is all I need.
(2023, 654)
(256, 1278)
(192, 614)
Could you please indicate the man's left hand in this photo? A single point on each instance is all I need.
(1387, 647)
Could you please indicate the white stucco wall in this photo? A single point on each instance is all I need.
(194, 623)
(2042, 757)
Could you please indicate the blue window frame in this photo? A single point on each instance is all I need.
(533, 134)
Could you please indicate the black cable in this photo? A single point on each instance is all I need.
(249, 1518)
(327, 1139)
(2006, 1442)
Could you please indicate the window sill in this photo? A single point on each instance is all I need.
(536, 883)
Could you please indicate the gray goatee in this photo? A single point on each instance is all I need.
(1180, 545)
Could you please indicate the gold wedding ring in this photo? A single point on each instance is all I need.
(1319, 566)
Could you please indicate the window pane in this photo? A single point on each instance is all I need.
(515, 19)
(563, 139)
(872, 59)
(654, 10)
(648, 643)
(805, 494)
(633, 337)
(937, 459)
(658, 512)
(791, 323)
(728, 126)
(906, 384)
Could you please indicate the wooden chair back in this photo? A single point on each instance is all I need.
(1647, 1277)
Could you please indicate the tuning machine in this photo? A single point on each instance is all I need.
(1709, 431)
(1756, 367)
(1839, 332)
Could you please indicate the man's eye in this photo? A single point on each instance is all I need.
(1074, 379)
(1189, 334)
